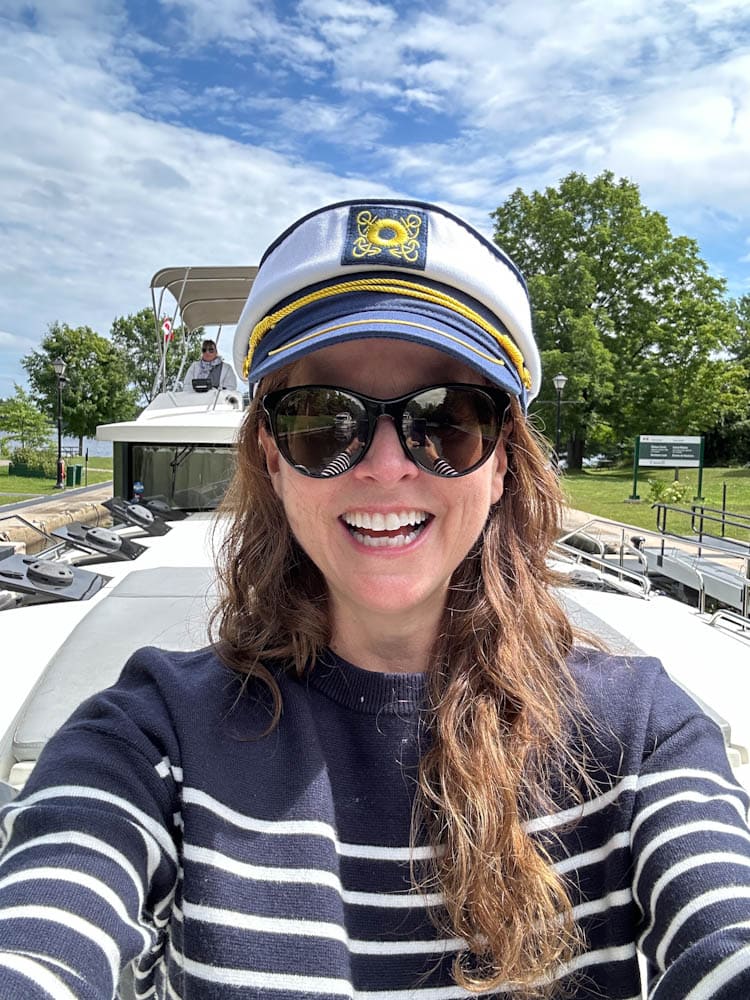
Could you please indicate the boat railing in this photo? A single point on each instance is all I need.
(727, 519)
(725, 615)
(605, 540)
(596, 557)
(699, 515)
(720, 546)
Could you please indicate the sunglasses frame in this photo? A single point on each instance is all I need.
(393, 408)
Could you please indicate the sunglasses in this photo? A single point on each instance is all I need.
(208, 350)
(446, 430)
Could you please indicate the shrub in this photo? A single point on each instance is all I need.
(41, 463)
(660, 491)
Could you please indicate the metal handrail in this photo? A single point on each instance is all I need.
(577, 555)
(743, 523)
(584, 531)
(742, 520)
(698, 511)
(723, 613)
(685, 561)
(623, 548)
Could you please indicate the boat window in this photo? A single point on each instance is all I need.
(187, 477)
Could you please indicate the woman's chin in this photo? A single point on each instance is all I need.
(394, 597)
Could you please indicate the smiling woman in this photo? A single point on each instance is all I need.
(398, 773)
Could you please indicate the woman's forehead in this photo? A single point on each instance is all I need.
(378, 361)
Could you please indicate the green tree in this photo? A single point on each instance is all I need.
(729, 441)
(140, 342)
(741, 346)
(623, 308)
(21, 421)
(96, 379)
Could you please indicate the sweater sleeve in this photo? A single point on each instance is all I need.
(228, 378)
(691, 857)
(89, 851)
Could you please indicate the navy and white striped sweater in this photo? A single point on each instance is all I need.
(158, 827)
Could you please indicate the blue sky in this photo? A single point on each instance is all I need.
(138, 134)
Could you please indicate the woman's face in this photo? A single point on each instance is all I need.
(439, 518)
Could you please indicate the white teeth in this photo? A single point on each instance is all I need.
(385, 522)
(394, 541)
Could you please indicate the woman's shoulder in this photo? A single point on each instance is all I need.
(158, 686)
(167, 667)
(631, 698)
(598, 673)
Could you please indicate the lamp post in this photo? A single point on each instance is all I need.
(59, 365)
(559, 382)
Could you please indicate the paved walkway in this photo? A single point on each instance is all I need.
(65, 496)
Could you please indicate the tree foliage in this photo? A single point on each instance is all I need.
(139, 340)
(729, 441)
(22, 422)
(625, 309)
(741, 346)
(96, 379)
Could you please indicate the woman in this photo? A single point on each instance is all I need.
(212, 368)
(394, 775)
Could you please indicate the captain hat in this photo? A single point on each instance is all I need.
(403, 270)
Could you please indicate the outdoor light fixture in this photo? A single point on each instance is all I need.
(59, 365)
(559, 382)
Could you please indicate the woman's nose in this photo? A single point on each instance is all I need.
(385, 459)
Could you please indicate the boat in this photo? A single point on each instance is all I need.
(73, 613)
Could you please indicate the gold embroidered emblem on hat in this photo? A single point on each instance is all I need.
(397, 238)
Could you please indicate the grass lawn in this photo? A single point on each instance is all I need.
(603, 492)
(15, 488)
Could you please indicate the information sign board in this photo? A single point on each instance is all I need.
(659, 450)
(668, 451)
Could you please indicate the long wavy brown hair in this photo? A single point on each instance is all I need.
(503, 704)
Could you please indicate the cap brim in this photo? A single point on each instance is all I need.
(491, 362)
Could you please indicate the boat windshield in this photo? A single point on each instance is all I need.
(187, 477)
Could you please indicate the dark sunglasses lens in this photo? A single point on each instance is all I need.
(451, 429)
(321, 432)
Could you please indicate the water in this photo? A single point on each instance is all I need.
(97, 449)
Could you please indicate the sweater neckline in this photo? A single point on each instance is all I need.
(366, 691)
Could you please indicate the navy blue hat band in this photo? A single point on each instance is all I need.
(368, 293)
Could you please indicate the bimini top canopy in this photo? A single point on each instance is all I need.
(205, 296)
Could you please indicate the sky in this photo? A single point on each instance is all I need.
(141, 134)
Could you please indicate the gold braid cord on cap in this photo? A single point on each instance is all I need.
(397, 287)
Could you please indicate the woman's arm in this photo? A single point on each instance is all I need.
(88, 855)
(228, 378)
(691, 869)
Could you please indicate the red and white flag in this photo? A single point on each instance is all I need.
(167, 329)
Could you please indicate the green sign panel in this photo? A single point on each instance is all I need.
(659, 450)
(668, 451)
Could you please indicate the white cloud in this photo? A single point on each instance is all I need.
(15, 342)
(95, 198)
(115, 163)
(227, 21)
